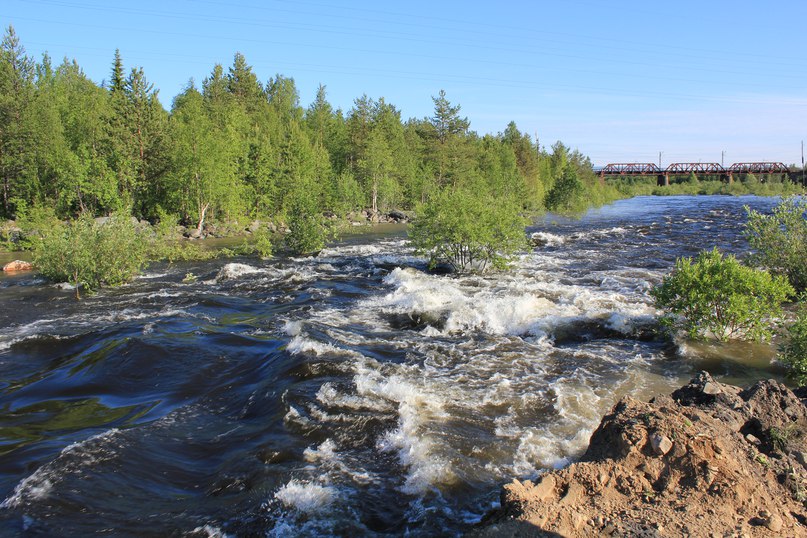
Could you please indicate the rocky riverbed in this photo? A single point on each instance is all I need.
(710, 459)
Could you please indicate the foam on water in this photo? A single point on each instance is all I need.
(71, 459)
(210, 531)
(306, 497)
(547, 239)
(235, 270)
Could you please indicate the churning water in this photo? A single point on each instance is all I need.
(348, 394)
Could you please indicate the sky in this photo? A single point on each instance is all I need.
(683, 81)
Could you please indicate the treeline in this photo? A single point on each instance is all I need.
(235, 149)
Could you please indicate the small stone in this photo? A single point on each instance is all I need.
(661, 444)
(754, 440)
(774, 523)
(17, 265)
(711, 387)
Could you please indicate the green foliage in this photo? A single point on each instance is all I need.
(567, 192)
(308, 229)
(88, 254)
(793, 349)
(260, 243)
(780, 240)
(719, 297)
(468, 230)
(35, 223)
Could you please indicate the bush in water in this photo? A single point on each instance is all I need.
(717, 296)
(88, 253)
(468, 231)
(308, 229)
(780, 240)
(793, 349)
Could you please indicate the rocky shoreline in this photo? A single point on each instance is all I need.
(708, 460)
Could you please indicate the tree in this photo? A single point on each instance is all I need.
(244, 85)
(136, 128)
(17, 151)
(203, 159)
(446, 120)
(468, 230)
(780, 240)
(447, 146)
(566, 193)
(376, 166)
(719, 297)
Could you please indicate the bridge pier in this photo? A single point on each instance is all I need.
(664, 180)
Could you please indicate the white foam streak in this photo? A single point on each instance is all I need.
(235, 270)
(306, 497)
(71, 459)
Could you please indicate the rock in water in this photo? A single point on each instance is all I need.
(18, 265)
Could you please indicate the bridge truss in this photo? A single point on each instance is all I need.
(678, 169)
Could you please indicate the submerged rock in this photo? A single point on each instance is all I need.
(679, 465)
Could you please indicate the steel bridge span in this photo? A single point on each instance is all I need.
(681, 169)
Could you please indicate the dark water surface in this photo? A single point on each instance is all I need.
(349, 394)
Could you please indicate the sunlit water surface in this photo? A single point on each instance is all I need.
(348, 394)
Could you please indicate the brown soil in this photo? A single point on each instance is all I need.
(708, 460)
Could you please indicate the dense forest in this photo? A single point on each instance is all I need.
(235, 149)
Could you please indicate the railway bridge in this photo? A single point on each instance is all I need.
(709, 169)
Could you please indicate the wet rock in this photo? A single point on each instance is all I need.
(18, 265)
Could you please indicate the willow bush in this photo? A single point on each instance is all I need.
(716, 296)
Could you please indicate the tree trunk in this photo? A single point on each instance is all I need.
(375, 196)
(202, 218)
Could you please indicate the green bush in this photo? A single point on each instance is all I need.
(308, 229)
(467, 230)
(567, 192)
(793, 349)
(88, 254)
(780, 240)
(719, 297)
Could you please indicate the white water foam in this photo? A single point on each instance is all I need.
(210, 532)
(547, 239)
(71, 459)
(235, 270)
(306, 497)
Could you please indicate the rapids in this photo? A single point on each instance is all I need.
(347, 394)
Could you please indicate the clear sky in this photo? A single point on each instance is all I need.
(620, 81)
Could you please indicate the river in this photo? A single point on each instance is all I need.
(351, 394)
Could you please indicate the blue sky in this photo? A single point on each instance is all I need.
(620, 81)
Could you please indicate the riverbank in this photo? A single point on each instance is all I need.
(710, 459)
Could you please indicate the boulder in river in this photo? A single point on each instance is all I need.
(18, 265)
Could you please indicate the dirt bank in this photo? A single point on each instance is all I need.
(708, 460)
